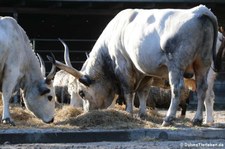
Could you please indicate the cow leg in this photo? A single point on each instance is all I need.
(76, 100)
(209, 101)
(183, 110)
(201, 92)
(129, 98)
(113, 102)
(8, 86)
(210, 96)
(184, 102)
(176, 83)
(142, 96)
(6, 118)
(62, 95)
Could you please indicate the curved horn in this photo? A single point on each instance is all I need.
(69, 69)
(87, 55)
(42, 64)
(66, 53)
(51, 73)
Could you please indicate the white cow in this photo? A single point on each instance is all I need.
(19, 69)
(210, 96)
(211, 76)
(139, 45)
(65, 84)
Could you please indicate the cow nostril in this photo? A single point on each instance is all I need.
(50, 98)
(52, 120)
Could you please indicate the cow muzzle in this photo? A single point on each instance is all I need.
(49, 122)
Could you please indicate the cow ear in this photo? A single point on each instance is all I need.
(86, 80)
(43, 90)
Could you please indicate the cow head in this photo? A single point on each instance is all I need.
(39, 98)
(96, 90)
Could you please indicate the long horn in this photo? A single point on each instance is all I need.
(66, 53)
(69, 69)
(87, 55)
(42, 64)
(51, 73)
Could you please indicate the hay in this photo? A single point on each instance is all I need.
(66, 112)
(68, 117)
(116, 118)
(106, 119)
(113, 119)
(22, 117)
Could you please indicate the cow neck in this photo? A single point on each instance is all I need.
(30, 69)
(99, 65)
(32, 72)
(93, 65)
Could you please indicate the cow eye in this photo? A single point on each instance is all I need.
(81, 93)
(50, 98)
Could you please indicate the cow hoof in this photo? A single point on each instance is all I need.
(209, 123)
(143, 116)
(197, 122)
(8, 121)
(168, 121)
(182, 116)
(166, 124)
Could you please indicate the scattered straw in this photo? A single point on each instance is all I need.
(66, 112)
(106, 119)
(68, 117)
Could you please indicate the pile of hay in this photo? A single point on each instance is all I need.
(22, 117)
(104, 119)
(68, 117)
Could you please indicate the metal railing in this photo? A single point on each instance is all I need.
(47, 46)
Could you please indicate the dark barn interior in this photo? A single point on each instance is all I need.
(80, 22)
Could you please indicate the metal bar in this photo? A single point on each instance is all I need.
(75, 40)
(165, 1)
(61, 51)
(58, 11)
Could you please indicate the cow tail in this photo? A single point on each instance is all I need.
(216, 64)
(203, 12)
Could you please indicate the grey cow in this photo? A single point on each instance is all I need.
(139, 45)
(65, 84)
(19, 69)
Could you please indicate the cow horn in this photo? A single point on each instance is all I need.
(51, 74)
(66, 53)
(77, 74)
(87, 55)
(42, 64)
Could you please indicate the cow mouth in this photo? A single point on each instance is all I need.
(49, 122)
